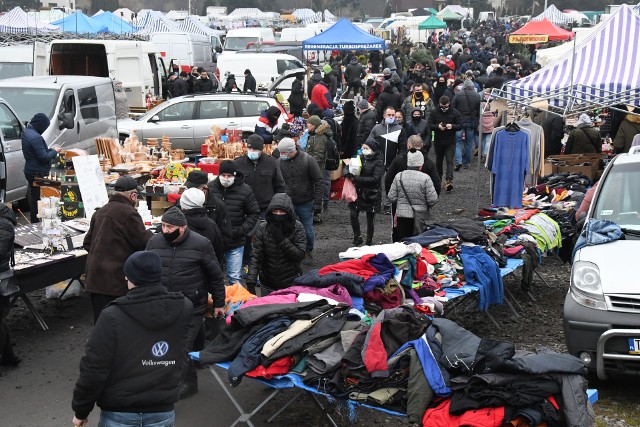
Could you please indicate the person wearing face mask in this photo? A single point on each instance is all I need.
(439, 89)
(417, 125)
(367, 185)
(267, 125)
(278, 249)
(388, 98)
(390, 141)
(243, 211)
(190, 266)
(192, 205)
(419, 99)
(445, 122)
(116, 231)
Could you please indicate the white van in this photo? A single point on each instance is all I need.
(265, 67)
(16, 61)
(80, 108)
(185, 50)
(298, 34)
(137, 64)
(240, 38)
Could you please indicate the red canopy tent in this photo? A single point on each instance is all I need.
(539, 32)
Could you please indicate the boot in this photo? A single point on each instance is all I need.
(369, 239)
(358, 240)
(448, 185)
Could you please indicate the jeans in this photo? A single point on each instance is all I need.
(486, 141)
(445, 150)
(326, 191)
(469, 130)
(131, 419)
(305, 214)
(233, 258)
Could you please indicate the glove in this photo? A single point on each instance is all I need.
(348, 175)
(277, 234)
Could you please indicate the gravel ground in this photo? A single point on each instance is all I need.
(50, 358)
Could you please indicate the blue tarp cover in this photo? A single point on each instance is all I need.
(344, 35)
(80, 23)
(114, 23)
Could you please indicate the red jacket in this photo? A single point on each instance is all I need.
(483, 417)
(320, 95)
(359, 267)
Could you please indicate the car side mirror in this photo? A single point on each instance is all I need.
(154, 119)
(65, 121)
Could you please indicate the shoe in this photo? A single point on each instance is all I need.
(465, 166)
(317, 219)
(475, 153)
(369, 242)
(457, 168)
(187, 390)
(308, 259)
(448, 185)
(12, 361)
(358, 240)
(386, 210)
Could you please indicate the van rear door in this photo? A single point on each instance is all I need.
(97, 115)
(13, 184)
(40, 66)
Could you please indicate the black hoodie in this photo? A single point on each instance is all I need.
(135, 354)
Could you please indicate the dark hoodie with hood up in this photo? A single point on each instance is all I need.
(37, 157)
(267, 125)
(279, 247)
(135, 354)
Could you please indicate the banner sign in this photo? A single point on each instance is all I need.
(522, 39)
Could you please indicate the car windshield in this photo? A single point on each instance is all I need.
(619, 199)
(237, 43)
(27, 102)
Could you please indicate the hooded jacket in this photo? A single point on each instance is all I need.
(410, 105)
(467, 102)
(135, 354)
(354, 73)
(267, 125)
(583, 139)
(296, 98)
(388, 98)
(116, 231)
(198, 221)
(7, 235)
(388, 147)
(350, 143)
(366, 124)
(263, 176)
(316, 78)
(317, 143)
(37, 157)
(242, 208)
(420, 128)
(303, 179)
(278, 262)
(190, 266)
(321, 96)
(249, 83)
(629, 128)
(369, 181)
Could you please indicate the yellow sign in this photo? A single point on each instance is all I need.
(522, 39)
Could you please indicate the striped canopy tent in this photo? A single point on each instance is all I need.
(306, 16)
(329, 17)
(193, 25)
(602, 71)
(47, 16)
(244, 13)
(124, 13)
(155, 22)
(17, 21)
(554, 15)
(146, 17)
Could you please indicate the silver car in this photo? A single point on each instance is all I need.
(188, 119)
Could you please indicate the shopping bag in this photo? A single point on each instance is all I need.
(355, 166)
(349, 191)
(336, 173)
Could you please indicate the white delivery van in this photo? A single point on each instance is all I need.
(80, 108)
(16, 61)
(185, 51)
(265, 67)
(240, 38)
(137, 64)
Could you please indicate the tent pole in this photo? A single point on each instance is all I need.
(480, 152)
(573, 64)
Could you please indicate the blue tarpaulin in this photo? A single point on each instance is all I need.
(114, 23)
(80, 23)
(344, 35)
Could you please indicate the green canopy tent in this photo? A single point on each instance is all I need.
(432, 10)
(448, 15)
(431, 23)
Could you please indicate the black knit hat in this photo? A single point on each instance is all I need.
(174, 216)
(227, 166)
(196, 178)
(255, 142)
(143, 268)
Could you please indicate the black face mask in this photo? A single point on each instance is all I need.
(278, 219)
(171, 237)
(418, 94)
(416, 119)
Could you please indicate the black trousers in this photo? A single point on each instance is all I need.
(355, 221)
(356, 87)
(404, 229)
(193, 342)
(98, 303)
(445, 151)
(33, 203)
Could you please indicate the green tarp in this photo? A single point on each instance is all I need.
(431, 23)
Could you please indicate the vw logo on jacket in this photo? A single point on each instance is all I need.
(160, 348)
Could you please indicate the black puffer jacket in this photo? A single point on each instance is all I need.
(123, 370)
(277, 261)
(190, 266)
(367, 122)
(451, 117)
(198, 221)
(263, 176)
(217, 211)
(7, 235)
(368, 182)
(242, 208)
(303, 179)
(350, 143)
(388, 98)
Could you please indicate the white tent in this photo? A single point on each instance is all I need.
(306, 16)
(193, 25)
(550, 55)
(125, 13)
(329, 17)
(17, 21)
(245, 13)
(554, 15)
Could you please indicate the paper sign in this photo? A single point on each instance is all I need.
(392, 136)
(91, 183)
(528, 39)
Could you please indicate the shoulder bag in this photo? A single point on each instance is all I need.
(419, 217)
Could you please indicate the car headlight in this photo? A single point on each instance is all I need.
(586, 287)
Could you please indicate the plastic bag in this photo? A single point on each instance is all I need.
(355, 166)
(349, 191)
(54, 291)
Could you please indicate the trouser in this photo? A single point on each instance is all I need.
(375, 67)
(34, 193)
(445, 150)
(404, 229)
(130, 419)
(357, 88)
(194, 341)
(305, 214)
(326, 190)
(469, 131)
(355, 222)
(486, 141)
(98, 303)
(233, 258)
(248, 247)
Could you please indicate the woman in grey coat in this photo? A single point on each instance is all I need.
(413, 191)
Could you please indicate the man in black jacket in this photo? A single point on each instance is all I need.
(135, 354)
(178, 86)
(467, 102)
(189, 265)
(203, 84)
(445, 122)
(353, 75)
(367, 121)
(390, 97)
(249, 82)
(243, 213)
(553, 127)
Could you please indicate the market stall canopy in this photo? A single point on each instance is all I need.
(156, 22)
(431, 23)
(548, 56)
(456, 8)
(17, 21)
(602, 72)
(124, 13)
(534, 32)
(193, 25)
(245, 13)
(114, 23)
(421, 12)
(449, 15)
(344, 35)
(80, 23)
(329, 17)
(553, 14)
(306, 16)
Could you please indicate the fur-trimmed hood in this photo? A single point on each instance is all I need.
(633, 118)
(324, 128)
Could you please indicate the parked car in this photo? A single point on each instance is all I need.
(602, 307)
(13, 184)
(187, 120)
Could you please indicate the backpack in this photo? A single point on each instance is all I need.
(333, 155)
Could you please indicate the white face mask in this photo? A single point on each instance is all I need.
(226, 182)
(367, 151)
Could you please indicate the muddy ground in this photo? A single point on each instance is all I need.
(38, 392)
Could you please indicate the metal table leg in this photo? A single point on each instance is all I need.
(69, 285)
(323, 409)
(35, 313)
(286, 405)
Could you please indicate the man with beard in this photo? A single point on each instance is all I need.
(204, 84)
(418, 99)
(445, 122)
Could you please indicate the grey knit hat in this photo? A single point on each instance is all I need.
(174, 216)
(192, 198)
(415, 159)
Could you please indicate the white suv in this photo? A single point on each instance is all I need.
(602, 308)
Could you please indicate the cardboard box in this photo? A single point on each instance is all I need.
(158, 207)
(72, 210)
(588, 170)
(586, 164)
(549, 168)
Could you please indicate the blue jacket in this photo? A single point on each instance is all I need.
(597, 232)
(37, 157)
